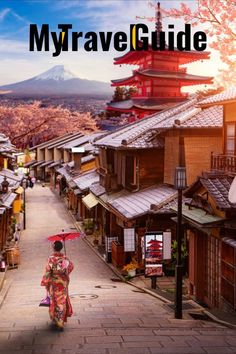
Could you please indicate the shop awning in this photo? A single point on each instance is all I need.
(9, 200)
(46, 163)
(5, 154)
(90, 201)
(19, 190)
(38, 163)
(28, 164)
(198, 216)
(56, 163)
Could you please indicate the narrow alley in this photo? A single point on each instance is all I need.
(109, 317)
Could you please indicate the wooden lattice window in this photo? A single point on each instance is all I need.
(230, 139)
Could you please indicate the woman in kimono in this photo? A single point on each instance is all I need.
(56, 281)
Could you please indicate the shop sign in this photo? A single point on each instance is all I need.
(157, 247)
(129, 240)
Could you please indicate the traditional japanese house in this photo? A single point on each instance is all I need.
(159, 78)
(80, 157)
(10, 192)
(209, 228)
(49, 155)
(212, 245)
(225, 160)
(137, 163)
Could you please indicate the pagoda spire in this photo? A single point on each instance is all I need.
(158, 23)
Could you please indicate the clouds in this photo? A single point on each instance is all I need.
(17, 63)
(3, 13)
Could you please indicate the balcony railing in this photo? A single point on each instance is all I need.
(223, 163)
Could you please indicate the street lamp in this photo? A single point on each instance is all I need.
(180, 184)
(24, 185)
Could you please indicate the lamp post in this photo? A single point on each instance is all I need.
(24, 185)
(180, 184)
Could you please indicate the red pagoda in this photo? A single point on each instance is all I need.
(158, 79)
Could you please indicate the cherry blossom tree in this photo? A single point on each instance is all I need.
(218, 18)
(27, 124)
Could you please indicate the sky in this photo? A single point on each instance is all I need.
(18, 63)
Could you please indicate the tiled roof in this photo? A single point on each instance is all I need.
(180, 117)
(46, 163)
(82, 140)
(28, 164)
(164, 75)
(8, 199)
(6, 145)
(219, 190)
(63, 171)
(217, 185)
(169, 206)
(46, 143)
(56, 163)
(223, 97)
(13, 179)
(172, 75)
(63, 141)
(10, 174)
(97, 189)
(199, 216)
(207, 118)
(38, 163)
(86, 179)
(139, 203)
(145, 103)
(128, 134)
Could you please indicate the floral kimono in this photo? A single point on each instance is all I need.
(56, 281)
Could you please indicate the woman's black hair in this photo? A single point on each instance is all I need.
(57, 246)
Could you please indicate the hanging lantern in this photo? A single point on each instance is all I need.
(5, 185)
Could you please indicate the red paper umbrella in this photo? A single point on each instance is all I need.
(64, 236)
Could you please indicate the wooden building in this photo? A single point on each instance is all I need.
(212, 247)
(137, 163)
(10, 192)
(210, 227)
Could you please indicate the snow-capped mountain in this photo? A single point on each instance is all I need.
(58, 72)
(58, 81)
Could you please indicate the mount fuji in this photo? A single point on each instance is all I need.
(57, 81)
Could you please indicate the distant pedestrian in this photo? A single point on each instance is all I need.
(56, 281)
(33, 180)
(30, 182)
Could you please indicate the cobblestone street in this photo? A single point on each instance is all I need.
(109, 317)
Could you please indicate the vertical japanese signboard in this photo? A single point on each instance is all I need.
(155, 252)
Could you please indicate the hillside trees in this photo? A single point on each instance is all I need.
(28, 124)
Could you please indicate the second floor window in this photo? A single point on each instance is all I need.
(230, 139)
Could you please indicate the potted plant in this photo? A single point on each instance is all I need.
(88, 226)
(169, 265)
(131, 267)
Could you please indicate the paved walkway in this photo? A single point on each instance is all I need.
(109, 317)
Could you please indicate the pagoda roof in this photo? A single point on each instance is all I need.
(133, 57)
(155, 104)
(166, 75)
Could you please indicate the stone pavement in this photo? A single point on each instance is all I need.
(109, 317)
